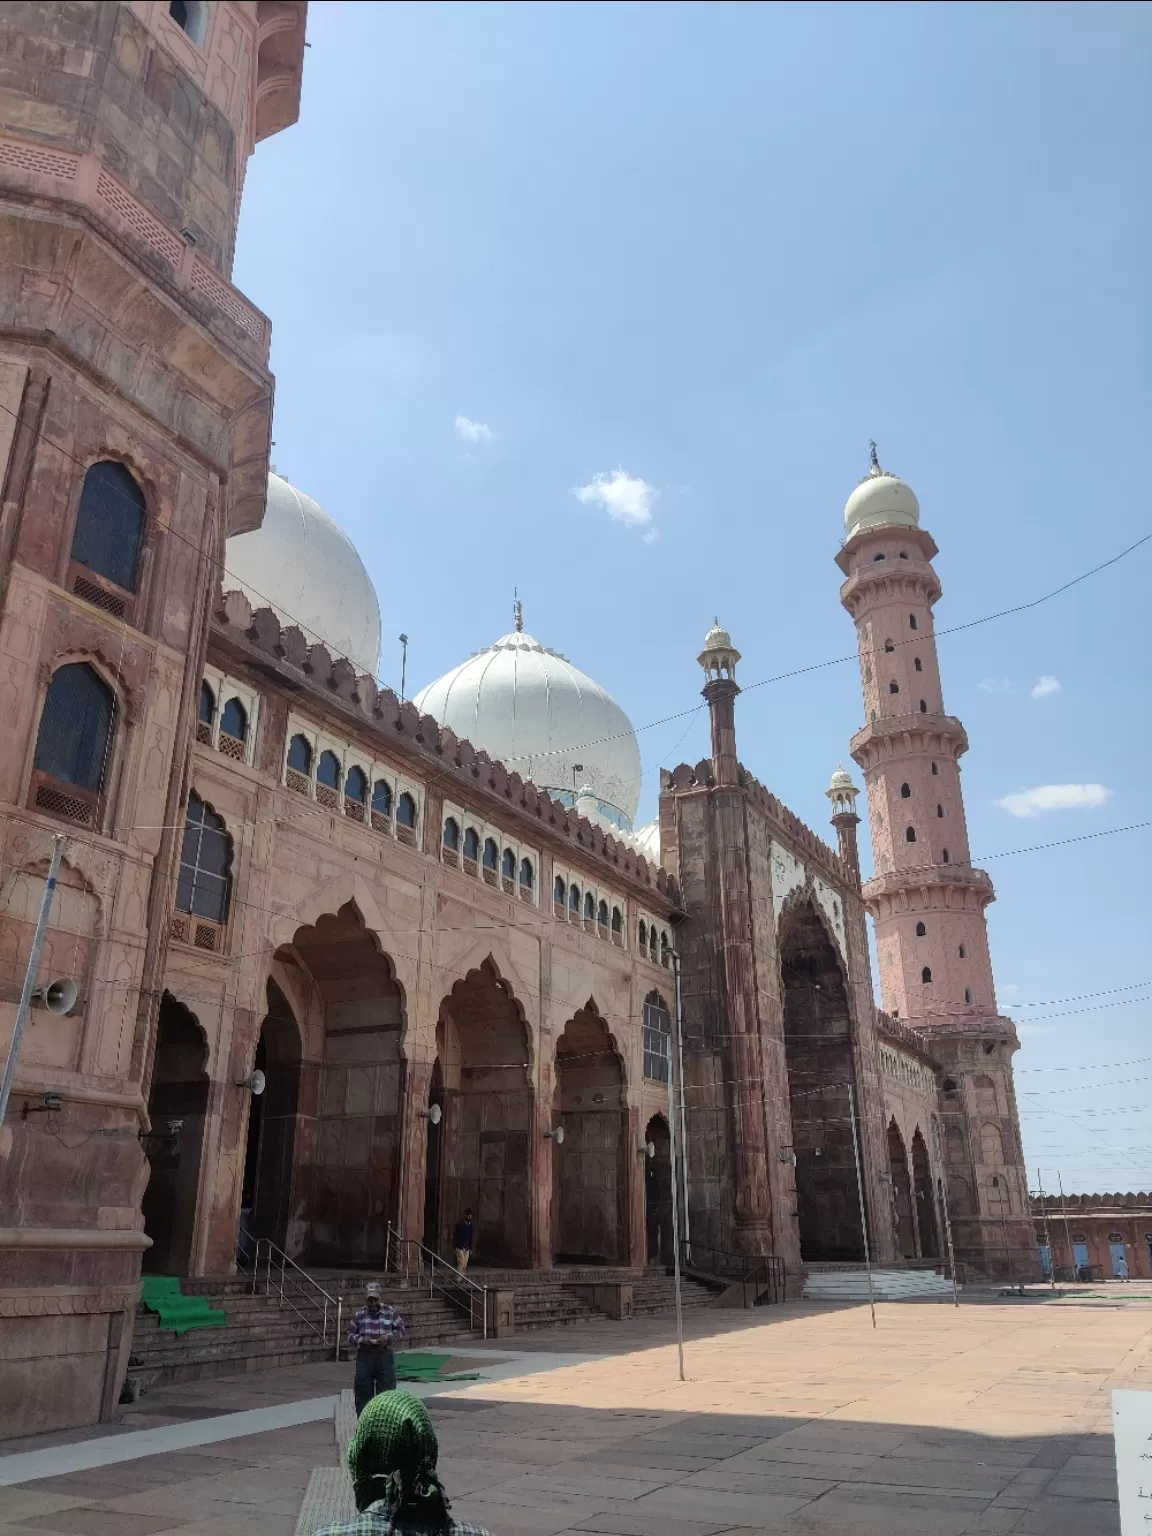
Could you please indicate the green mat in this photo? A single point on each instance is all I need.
(163, 1296)
(421, 1365)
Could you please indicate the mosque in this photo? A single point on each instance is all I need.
(344, 960)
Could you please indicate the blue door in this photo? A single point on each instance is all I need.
(1080, 1255)
(1045, 1260)
(1119, 1260)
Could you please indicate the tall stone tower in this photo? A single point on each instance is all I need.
(135, 417)
(926, 899)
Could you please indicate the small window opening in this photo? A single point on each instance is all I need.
(940, 812)
(590, 906)
(963, 951)
(559, 892)
(875, 558)
(472, 849)
(207, 704)
(617, 920)
(574, 898)
(923, 706)
(918, 664)
(912, 624)
(406, 810)
(234, 720)
(642, 934)
(508, 865)
(451, 832)
(888, 646)
(602, 914)
(356, 786)
(920, 930)
(491, 854)
(382, 798)
(910, 835)
(947, 859)
(893, 687)
(903, 554)
(926, 975)
(300, 755)
(949, 1085)
(935, 770)
(969, 995)
(905, 792)
(526, 874)
(328, 770)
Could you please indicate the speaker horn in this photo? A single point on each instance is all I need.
(58, 996)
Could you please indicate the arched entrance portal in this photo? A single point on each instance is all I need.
(658, 1191)
(922, 1189)
(900, 1187)
(818, 1053)
(589, 1176)
(325, 1168)
(177, 1105)
(486, 1133)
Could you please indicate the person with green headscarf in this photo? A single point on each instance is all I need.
(392, 1459)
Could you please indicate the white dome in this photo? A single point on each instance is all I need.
(303, 566)
(544, 719)
(881, 500)
(841, 779)
(646, 840)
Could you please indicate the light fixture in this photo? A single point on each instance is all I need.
(647, 1149)
(434, 1114)
(557, 1135)
(255, 1083)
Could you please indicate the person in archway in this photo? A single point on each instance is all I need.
(463, 1237)
(375, 1328)
(392, 1459)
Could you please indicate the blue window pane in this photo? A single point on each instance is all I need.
(110, 524)
(76, 727)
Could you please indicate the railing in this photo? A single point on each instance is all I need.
(760, 1275)
(284, 1279)
(405, 1256)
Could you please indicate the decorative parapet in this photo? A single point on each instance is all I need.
(63, 175)
(904, 1035)
(802, 837)
(283, 650)
(1094, 1205)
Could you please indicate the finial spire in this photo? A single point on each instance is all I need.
(875, 459)
(518, 610)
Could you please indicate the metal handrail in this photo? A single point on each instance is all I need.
(759, 1272)
(403, 1248)
(274, 1256)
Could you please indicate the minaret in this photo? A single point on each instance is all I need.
(719, 658)
(926, 900)
(842, 793)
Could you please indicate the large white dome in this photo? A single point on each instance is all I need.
(303, 566)
(880, 500)
(543, 718)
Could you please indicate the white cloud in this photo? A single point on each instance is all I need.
(997, 685)
(1045, 687)
(625, 497)
(473, 431)
(1031, 803)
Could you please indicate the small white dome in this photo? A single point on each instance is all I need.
(646, 840)
(717, 639)
(880, 500)
(841, 779)
(305, 568)
(540, 716)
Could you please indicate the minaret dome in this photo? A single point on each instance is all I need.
(881, 500)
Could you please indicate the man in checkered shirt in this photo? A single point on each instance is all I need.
(372, 1334)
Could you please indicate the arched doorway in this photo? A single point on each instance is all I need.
(658, 1191)
(922, 1188)
(818, 1054)
(589, 1175)
(486, 1133)
(177, 1105)
(273, 1124)
(901, 1192)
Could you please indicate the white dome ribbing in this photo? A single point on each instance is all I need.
(880, 500)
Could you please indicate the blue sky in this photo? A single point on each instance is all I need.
(717, 248)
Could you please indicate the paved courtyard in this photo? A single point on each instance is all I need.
(983, 1419)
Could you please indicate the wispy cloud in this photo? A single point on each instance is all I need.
(1044, 687)
(1030, 803)
(624, 497)
(473, 431)
(997, 685)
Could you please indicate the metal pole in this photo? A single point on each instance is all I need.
(30, 975)
(339, 1323)
(860, 1191)
(1047, 1233)
(942, 1186)
(683, 1116)
(1067, 1228)
(675, 1210)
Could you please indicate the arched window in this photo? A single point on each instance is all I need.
(920, 930)
(617, 926)
(110, 526)
(963, 951)
(905, 792)
(74, 742)
(923, 706)
(527, 878)
(910, 835)
(657, 1038)
(946, 858)
(665, 951)
(969, 995)
(652, 944)
(406, 811)
(191, 16)
(912, 624)
(875, 558)
(574, 903)
(888, 646)
(918, 664)
(508, 865)
(940, 812)
(589, 907)
(300, 755)
(452, 834)
(903, 554)
(602, 915)
(642, 934)
(472, 844)
(207, 705)
(559, 893)
(204, 884)
(935, 769)
(234, 720)
(491, 855)
(381, 802)
(328, 770)
(949, 1085)
(893, 687)
(356, 786)
(926, 975)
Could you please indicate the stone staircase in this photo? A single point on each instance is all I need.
(655, 1294)
(849, 1283)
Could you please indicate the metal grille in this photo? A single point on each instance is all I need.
(406, 835)
(381, 822)
(204, 733)
(508, 885)
(451, 857)
(328, 796)
(353, 809)
(470, 866)
(232, 746)
(208, 936)
(99, 597)
(602, 930)
(489, 876)
(298, 781)
(559, 910)
(525, 893)
(70, 807)
(178, 927)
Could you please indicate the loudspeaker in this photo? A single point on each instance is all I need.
(58, 996)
